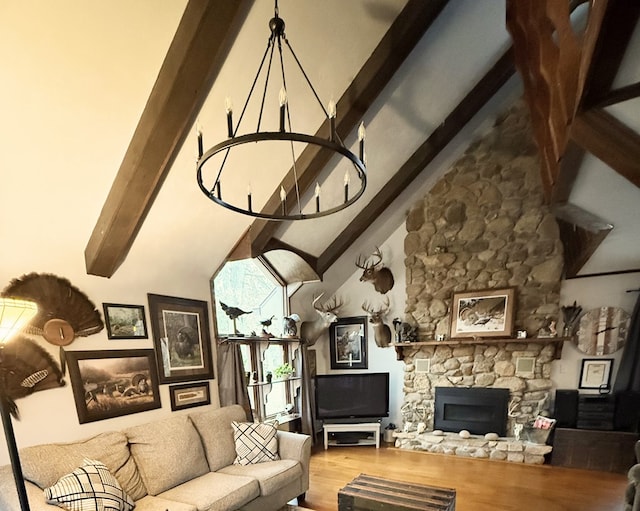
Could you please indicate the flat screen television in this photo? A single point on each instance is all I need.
(352, 396)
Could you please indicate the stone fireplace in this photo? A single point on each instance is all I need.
(483, 225)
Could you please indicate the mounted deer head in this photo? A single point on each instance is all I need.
(380, 276)
(381, 332)
(327, 312)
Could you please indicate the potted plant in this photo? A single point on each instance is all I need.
(284, 371)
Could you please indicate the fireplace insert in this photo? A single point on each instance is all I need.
(478, 410)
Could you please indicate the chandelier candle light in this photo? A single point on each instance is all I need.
(210, 180)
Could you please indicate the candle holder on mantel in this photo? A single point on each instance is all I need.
(570, 315)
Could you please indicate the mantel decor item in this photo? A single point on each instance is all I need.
(285, 203)
(112, 383)
(483, 313)
(180, 329)
(602, 331)
(348, 343)
(596, 374)
(125, 321)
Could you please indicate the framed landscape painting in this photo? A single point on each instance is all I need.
(125, 321)
(111, 383)
(348, 343)
(180, 328)
(484, 313)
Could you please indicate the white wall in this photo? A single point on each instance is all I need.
(354, 293)
(590, 293)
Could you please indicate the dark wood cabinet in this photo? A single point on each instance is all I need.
(609, 451)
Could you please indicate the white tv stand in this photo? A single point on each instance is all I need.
(371, 427)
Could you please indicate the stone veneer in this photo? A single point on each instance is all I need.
(483, 225)
(504, 449)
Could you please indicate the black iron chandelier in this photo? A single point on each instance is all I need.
(211, 182)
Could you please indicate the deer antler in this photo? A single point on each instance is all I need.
(513, 404)
(315, 300)
(330, 306)
(380, 312)
(378, 255)
(363, 264)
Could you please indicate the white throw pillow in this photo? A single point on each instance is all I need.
(90, 487)
(256, 442)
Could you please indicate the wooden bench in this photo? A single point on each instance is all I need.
(370, 493)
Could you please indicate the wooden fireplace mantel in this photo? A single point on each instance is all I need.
(400, 347)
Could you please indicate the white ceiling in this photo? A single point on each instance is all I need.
(75, 77)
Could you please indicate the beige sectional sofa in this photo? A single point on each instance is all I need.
(183, 463)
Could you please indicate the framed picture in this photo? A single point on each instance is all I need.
(596, 373)
(485, 313)
(181, 339)
(111, 383)
(348, 343)
(125, 321)
(189, 395)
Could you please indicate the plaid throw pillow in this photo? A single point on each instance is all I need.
(256, 442)
(90, 487)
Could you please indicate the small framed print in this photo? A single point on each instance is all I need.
(125, 321)
(596, 373)
(189, 395)
(348, 343)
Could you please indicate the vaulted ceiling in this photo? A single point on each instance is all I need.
(418, 73)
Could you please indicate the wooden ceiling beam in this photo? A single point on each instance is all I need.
(553, 61)
(484, 90)
(396, 45)
(618, 25)
(610, 140)
(197, 52)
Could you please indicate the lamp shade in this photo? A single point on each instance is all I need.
(14, 315)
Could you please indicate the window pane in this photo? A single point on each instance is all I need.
(248, 286)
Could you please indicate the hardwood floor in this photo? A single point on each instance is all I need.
(481, 485)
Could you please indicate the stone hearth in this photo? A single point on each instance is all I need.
(504, 449)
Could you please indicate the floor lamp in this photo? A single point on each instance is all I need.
(14, 315)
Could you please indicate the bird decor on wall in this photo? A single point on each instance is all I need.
(64, 311)
(28, 368)
(289, 325)
(233, 313)
(266, 323)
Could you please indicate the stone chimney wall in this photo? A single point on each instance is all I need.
(484, 225)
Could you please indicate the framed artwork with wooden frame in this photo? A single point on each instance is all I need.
(111, 383)
(348, 343)
(180, 329)
(483, 313)
(189, 395)
(125, 321)
(596, 373)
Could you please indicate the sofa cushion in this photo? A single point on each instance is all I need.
(255, 442)
(214, 427)
(167, 452)
(44, 464)
(88, 487)
(215, 491)
(271, 475)
(151, 503)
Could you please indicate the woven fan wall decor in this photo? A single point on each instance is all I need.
(28, 368)
(63, 310)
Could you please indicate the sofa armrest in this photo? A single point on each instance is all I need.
(9, 495)
(296, 446)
